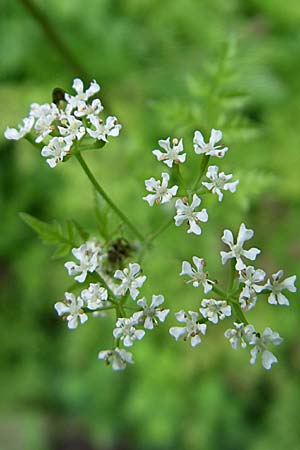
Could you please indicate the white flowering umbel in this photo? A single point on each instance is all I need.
(130, 280)
(279, 284)
(209, 149)
(172, 153)
(192, 329)
(160, 191)
(72, 310)
(65, 128)
(187, 213)
(236, 250)
(219, 182)
(197, 274)
(105, 282)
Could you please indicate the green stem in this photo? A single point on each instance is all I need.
(103, 194)
(219, 292)
(160, 230)
(231, 277)
(203, 167)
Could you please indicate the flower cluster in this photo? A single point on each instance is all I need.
(110, 293)
(106, 281)
(240, 297)
(67, 124)
(187, 206)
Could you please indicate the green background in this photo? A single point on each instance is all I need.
(165, 69)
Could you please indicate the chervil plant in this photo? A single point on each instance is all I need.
(107, 273)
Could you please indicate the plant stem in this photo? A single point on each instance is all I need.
(103, 194)
(203, 166)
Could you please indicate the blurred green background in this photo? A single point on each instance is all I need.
(165, 68)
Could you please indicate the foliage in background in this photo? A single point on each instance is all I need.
(155, 61)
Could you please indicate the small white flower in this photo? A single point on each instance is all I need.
(47, 109)
(277, 285)
(219, 182)
(88, 256)
(16, 134)
(43, 127)
(57, 148)
(72, 310)
(84, 109)
(213, 310)
(102, 131)
(130, 280)
(152, 314)
(260, 346)
(198, 276)
(209, 149)
(240, 335)
(72, 128)
(171, 154)
(236, 250)
(161, 192)
(185, 212)
(126, 331)
(119, 358)
(95, 296)
(75, 101)
(250, 277)
(191, 330)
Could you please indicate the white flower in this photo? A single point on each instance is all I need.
(240, 335)
(95, 296)
(47, 109)
(119, 358)
(16, 134)
(102, 131)
(171, 154)
(75, 101)
(125, 330)
(213, 310)
(151, 314)
(198, 276)
(191, 330)
(209, 149)
(250, 277)
(161, 192)
(236, 250)
(84, 109)
(260, 346)
(219, 182)
(72, 310)
(185, 212)
(72, 128)
(278, 285)
(57, 148)
(88, 256)
(43, 127)
(130, 280)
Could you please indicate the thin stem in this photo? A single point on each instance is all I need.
(203, 166)
(219, 291)
(160, 230)
(103, 194)
(50, 31)
(231, 277)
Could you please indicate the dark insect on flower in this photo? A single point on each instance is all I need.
(58, 95)
(119, 250)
